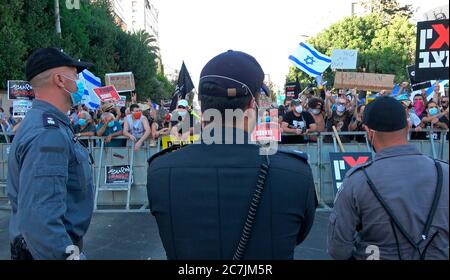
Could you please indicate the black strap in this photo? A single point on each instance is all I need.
(396, 222)
(256, 200)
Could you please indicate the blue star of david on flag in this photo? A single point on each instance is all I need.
(309, 60)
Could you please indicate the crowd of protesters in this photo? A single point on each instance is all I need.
(323, 110)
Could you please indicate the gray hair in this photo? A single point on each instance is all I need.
(86, 115)
(107, 114)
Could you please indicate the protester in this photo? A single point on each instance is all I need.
(110, 128)
(356, 125)
(85, 127)
(296, 124)
(136, 127)
(340, 119)
(419, 105)
(434, 120)
(315, 108)
(183, 121)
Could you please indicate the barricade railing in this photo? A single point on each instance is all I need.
(131, 196)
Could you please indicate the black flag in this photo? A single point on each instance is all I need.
(184, 86)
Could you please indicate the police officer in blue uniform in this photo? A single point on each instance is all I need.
(224, 199)
(49, 174)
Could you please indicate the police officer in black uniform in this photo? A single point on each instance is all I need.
(49, 174)
(223, 198)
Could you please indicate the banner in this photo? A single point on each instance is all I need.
(21, 107)
(107, 93)
(416, 84)
(118, 175)
(292, 90)
(122, 102)
(344, 59)
(432, 50)
(364, 81)
(90, 81)
(123, 82)
(341, 163)
(169, 141)
(19, 90)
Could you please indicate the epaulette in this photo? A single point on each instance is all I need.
(441, 161)
(297, 154)
(358, 167)
(49, 121)
(164, 152)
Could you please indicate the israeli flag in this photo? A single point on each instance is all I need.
(90, 81)
(309, 60)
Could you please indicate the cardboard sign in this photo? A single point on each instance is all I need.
(122, 102)
(341, 163)
(432, 50)
(364, 81)
(108, 93)
(169, 141)
(118, 175)
(344, 59)
(21, 107)
(441, 12)
(123, 82)
(20, 90)
(415, 84)
(292, 90)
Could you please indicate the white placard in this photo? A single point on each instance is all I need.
(344, 59)
(21, 107)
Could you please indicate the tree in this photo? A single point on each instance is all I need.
(388, 9)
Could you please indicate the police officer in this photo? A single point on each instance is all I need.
(222, 199)
(395, 206)
(49, 175)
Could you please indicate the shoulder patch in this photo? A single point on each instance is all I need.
(358, 167)
(297, 154)
(164, 152)
(49, 121)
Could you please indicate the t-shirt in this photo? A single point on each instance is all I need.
(186, 123)
(111, 130)
(304, 121)
(89, 128)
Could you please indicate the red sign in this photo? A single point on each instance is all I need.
(267, 132)
(352, 162)
(108, 93)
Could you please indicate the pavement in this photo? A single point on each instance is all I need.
(135, 236)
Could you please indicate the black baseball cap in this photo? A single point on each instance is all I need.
(48, 58)
(385, 114)
(231, 74)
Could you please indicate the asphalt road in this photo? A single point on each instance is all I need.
(134, 236)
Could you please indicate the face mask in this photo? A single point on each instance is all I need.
(267, 119)
(299, 109)
(315, 111)
(182, 113)
(434, 111)
(419, 107)
(137, 115)
(111, 124)
(340, 108)
(82, 122)
(77, 96)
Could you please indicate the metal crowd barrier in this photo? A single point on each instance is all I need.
(132, 197)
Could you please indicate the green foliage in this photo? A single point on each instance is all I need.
(88, 34)
(382, 48)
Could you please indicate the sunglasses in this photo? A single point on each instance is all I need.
(181, 107)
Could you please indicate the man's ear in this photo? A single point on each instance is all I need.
(57, 80)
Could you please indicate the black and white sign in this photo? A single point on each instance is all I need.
(416, 84)
(432, 50)
(20, 90)
(21, 107)
(341, 163)
(118, 175)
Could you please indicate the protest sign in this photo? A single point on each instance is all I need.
(432, 50)
(122, 102)
(341, 163)
(344, 59)
(20, 90)
(123, 82)
(364, 81)
(169, 141)
(267, 132)
(21, 107)
(118, 175)
(416, 84)
(107, 93)
(292, 90)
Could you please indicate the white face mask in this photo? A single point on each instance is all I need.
(299, 109)
(315, 111)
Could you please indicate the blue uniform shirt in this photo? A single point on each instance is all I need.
(49, 184)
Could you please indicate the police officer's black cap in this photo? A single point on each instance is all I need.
(385, 114)
(225, 74)
(48, 58)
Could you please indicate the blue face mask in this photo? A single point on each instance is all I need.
(267, 119)
(111, 124)
(77, 97)
(434, 111)
(82, 122)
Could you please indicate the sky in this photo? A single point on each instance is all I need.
(194, 31)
